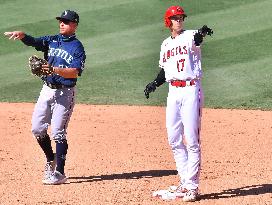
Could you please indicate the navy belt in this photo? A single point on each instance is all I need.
(58, 86)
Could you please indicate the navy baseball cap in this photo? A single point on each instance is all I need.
(69, 15)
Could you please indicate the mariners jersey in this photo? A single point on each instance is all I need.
(180, 58)
(60, 51)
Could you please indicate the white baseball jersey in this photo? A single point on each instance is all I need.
(180, 58)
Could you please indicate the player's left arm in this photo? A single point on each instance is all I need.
(201, 33)
(76, 67)
(79, 60)
(64, 72)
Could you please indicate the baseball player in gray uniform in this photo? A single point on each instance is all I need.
(180, 63)
(65, 53)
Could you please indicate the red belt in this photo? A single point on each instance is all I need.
(183, 83)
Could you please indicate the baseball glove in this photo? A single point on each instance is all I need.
(201, 33)
(36, 65)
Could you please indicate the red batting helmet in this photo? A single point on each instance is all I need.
(172, 11)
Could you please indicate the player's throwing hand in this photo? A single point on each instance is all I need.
(15, 35)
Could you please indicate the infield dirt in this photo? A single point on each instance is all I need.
(120, 155)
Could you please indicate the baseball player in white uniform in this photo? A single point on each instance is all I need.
(180, 63)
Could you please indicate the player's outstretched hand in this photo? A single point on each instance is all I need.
(15, 35)
(205, 30)
(201, 33)
(150, 87)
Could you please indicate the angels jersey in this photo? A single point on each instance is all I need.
(180, 58)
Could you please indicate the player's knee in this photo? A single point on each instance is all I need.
(174, 140)
(41, 137)
(59, 137)
(37, 133)
(176, 144)
(193, 148)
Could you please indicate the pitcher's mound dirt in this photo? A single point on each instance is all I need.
(120, 155)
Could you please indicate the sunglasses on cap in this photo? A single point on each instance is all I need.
(65, 21)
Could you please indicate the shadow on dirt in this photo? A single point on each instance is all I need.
(131, 175)
(243, 191)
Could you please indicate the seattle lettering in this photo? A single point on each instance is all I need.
(60, 53)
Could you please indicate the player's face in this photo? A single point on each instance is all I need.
(67, 27)
(177, 23)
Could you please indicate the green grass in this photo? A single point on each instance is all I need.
(122, 40)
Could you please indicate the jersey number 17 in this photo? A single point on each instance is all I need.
(180, 65)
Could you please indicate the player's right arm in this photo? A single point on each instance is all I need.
(159, 80)
(15, 35)
(38, 43)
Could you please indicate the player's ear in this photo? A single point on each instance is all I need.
(75, 24)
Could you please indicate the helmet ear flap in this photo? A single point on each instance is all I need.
(167, 22)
